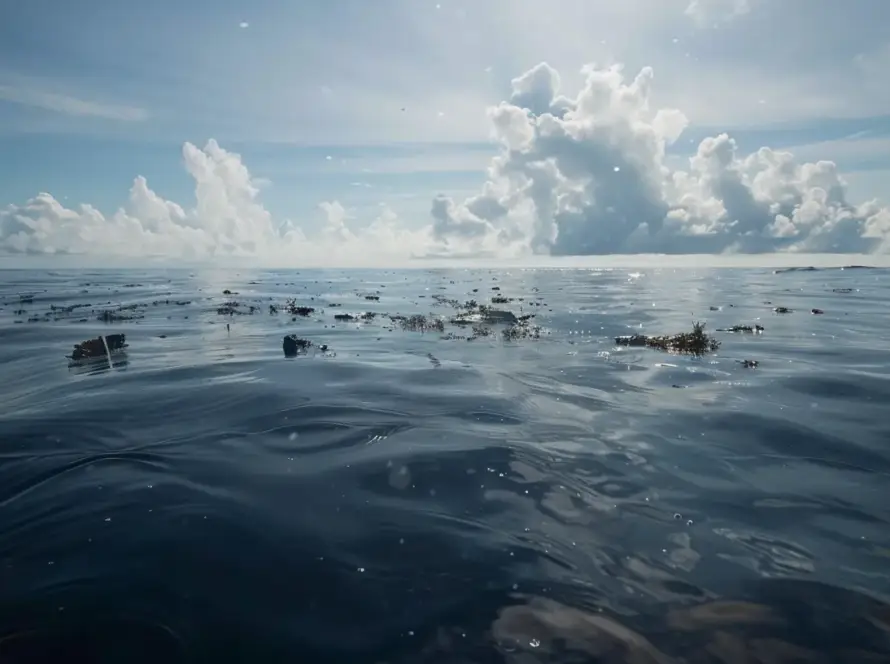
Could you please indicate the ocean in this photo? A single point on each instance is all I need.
(407, 489)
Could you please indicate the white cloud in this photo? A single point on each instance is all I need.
(227, 221)
(575, 174)
(588, 175)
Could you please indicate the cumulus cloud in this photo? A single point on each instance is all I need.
(588, 175)
(574, 174)
(227, 220)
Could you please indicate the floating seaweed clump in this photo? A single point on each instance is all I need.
(420, 323)
(521, 330)
(344, 317)
(480, 332)
(741, 328)
(500, 299)
(99, 347)
(109, 316)
(233, 308)
(294, 345)
(296, 310)
(443, 301)
(482, 314)
(696, 342)
(783, 310)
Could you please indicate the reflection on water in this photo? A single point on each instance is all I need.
(404, 498)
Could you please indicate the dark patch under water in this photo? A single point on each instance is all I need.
(407, 496)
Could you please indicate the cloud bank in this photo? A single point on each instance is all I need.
(573, 175)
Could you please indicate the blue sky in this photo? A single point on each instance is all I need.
(384, 103)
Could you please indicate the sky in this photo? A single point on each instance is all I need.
(378, 133)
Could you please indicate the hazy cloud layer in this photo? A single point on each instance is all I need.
(573, 175)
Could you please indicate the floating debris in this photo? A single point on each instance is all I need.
(419, 323)
(749, 364)
(434, 360)
(446, 302)
(500, 299)
(345, 317)
(296, 310)
(841, 290)
(294, 345)
(521, 330)
(100, 347)
(742, 328)
(372, 298)
(233, 308)
(109, 316)
(783, 310)
(480, 332)
(816, 312)
(696, 342)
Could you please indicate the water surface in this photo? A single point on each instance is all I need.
(406, 498)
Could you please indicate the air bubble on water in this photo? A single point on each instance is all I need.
(678, 516)
(361, 570)
(292, 436)
(515, 586)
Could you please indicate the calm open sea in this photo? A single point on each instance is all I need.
(408, 496)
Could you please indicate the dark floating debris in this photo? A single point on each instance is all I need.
(841, 290)
(294, 345)
(816, 312)
(297, 310)
(372, 298)
(345, 317)
(234, 308)
(500, 299)
(100, 347)
(783, 310)
(521, 329)
(696, 342)
(742, 328)
(749, 364)
(419, 323)
(120, 314)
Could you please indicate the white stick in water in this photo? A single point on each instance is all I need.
(107, 351)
